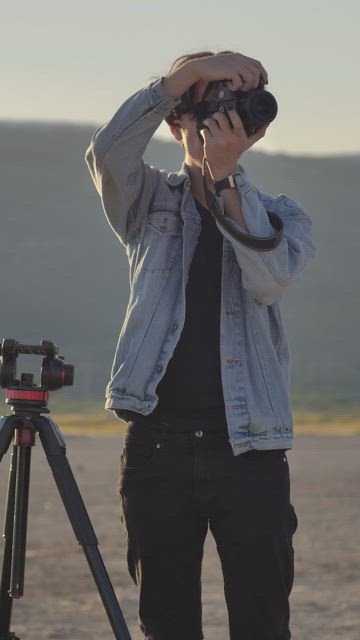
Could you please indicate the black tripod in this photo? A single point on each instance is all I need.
(27, 403)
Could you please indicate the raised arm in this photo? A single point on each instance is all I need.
(124, 181)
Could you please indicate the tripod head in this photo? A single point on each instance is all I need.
(24, 394)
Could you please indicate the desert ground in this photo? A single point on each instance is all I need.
(60, 597)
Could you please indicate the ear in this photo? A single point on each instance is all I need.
(176, 132)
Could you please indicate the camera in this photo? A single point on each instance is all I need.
(255, 108)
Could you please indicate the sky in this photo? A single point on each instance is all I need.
(79, 61)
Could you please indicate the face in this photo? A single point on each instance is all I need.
(186, 132)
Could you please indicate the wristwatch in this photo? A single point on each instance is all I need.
(225, 183)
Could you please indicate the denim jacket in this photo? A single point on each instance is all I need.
(154, 216)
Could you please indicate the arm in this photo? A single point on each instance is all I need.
(266, 274)
(233, 206)
(126, 184)
(124, 181)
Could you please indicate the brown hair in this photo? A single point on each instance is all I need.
(187, 99)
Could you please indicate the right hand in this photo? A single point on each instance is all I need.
(240, 72)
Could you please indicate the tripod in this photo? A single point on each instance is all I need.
(22, 426)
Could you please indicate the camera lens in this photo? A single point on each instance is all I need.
(264, 107)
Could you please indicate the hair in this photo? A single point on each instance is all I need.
(187, 99)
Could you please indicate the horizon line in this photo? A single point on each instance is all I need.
(86, 124)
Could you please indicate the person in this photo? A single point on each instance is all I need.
(201, 371)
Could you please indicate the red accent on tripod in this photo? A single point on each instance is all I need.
(15, 394)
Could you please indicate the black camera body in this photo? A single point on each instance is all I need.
(255, 108)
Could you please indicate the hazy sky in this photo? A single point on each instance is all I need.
(78, 61)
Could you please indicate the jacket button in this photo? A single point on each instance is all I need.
(174, 326)
(159, 368)
(199, 434)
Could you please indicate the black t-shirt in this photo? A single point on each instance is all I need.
(192, 380)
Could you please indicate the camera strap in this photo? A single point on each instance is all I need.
(257, 243)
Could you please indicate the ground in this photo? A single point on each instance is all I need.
(60, 597)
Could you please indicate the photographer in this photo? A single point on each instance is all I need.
(201, 371)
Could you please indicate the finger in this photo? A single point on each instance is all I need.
(222, 120)
(251, 76)
(246, 79)
(212, 125)
(236, 120)
(260, 133)
(261, 69)
(257, 78)
(236, 82)
(255, 65)
(243, 80)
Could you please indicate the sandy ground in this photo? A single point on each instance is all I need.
(60, 598)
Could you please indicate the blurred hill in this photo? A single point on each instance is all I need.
(61, 261)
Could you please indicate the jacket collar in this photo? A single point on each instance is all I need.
(176, 178)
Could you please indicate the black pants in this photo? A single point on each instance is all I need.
(173, 485)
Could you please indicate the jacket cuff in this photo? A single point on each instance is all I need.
(158, 100)
(254, 212)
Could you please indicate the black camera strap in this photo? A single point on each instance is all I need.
(253, 242)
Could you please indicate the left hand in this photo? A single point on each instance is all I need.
(223, 145)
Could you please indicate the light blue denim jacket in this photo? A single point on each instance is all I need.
(154, 216)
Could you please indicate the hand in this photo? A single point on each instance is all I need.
(223, 145)
(240, 72)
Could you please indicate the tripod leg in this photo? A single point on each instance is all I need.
(5, 599)
(20, 521)
(7, 426)
(54, 447)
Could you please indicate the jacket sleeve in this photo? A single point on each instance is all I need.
(266, 274)
(125, 183)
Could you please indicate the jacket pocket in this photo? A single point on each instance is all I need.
(164, 222)
(160, 243)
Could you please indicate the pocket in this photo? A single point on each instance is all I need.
(165, 223)
(160, 244)
(136, 455)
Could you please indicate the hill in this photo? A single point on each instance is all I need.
(61, 261)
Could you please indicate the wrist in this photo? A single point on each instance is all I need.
(178, 82)
(219, 173)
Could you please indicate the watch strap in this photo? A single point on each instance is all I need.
(225, 183)
(257, 243)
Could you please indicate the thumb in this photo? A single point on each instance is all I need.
(260, 133)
